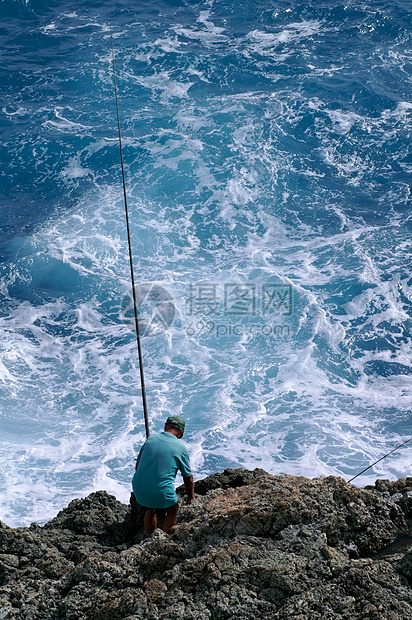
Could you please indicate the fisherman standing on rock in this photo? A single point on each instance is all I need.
(160, 457)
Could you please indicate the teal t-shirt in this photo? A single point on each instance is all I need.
(160, 457)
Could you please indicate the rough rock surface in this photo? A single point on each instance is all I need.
(251, 545)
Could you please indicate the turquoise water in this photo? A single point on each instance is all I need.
(267, 151)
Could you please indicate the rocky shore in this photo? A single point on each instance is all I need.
(251, 545)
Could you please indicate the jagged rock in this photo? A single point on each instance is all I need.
(250, 545)
(353, 518)
(97, 515)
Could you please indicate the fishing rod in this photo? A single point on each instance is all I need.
(136, 319)
(381, 459)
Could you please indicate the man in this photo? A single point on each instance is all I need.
(160, 457)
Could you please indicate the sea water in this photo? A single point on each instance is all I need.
(267, 156)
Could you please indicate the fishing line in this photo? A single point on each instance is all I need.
(136, 319)
(381, 459)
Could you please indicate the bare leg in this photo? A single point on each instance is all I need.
(170, 518)
(150, 521)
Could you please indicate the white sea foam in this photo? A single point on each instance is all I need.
(164, 83)
(64, 124)
(209, 34)
(75, 170)
(49, 28)
(239, 170)
(343, 121)
(170, 45)
(264, 43)
(19, 112)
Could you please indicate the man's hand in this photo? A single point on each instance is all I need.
(190, 489)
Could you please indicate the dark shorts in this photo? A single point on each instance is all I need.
(161, 512)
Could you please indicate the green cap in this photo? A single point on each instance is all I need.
(176, 420)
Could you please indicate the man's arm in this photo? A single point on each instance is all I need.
(190, 488)
(138, 457)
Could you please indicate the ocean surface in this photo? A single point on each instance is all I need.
(268, 165)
